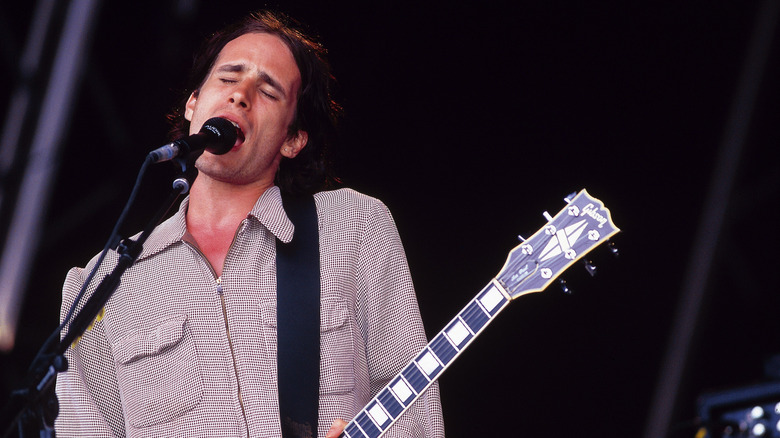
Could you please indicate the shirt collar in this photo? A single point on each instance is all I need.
(268, 210)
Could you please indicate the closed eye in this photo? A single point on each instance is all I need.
(269, 95)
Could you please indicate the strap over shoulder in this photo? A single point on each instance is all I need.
(298, 320)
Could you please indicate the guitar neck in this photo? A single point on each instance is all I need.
(405, 388)
(531, 266)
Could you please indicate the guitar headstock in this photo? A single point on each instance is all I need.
(576, 230)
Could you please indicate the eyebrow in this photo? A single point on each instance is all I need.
(265, 77)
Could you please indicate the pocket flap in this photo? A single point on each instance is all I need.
(334, 314)
(151, 341)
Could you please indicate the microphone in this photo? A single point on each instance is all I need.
(217, 136)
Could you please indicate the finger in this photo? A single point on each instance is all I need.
(336, 428)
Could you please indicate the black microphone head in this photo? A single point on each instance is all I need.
(222, 135)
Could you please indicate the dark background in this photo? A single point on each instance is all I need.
(468, 120)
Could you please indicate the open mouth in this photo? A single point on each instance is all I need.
(239, 133)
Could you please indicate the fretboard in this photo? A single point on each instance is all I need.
(405, 388)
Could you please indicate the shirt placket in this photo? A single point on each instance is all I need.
(220, 291)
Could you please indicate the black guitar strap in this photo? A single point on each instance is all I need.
(298, 320)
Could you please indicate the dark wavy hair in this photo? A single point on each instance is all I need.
(316, 113)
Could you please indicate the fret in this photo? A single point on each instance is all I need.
(429, 364)
(474, 317)
(492, 299)
(484, 307)
(368, 426)
(415, 377)
(443, 349)
(390, 403)
(353, 431)
(378, 414)
(402, 391)
(458, 333)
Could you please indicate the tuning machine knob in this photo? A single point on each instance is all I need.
(613, 248)
(564, 286)
(589, 267)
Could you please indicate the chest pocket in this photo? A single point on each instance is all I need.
(337, 344)
(157, 370)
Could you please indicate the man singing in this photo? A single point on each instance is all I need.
(187, 345)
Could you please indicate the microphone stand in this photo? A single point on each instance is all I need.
(36, 405)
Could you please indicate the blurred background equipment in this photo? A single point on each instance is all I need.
(747, 411)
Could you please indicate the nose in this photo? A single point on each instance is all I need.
(240, 97)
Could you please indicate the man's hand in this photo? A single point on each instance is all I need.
(336, 428)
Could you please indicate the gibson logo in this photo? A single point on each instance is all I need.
(592, 211)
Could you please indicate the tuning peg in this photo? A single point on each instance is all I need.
(547, 216)
(590, 267)
(570, 197)
(613, 249)
(520, 238)
(564, 286)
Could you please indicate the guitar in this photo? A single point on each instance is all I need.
(531, 266)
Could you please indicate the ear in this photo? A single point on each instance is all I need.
(189, 107)
(293, 145)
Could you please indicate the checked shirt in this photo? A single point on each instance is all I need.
(181, 352)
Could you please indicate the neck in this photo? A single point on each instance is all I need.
(216, 204)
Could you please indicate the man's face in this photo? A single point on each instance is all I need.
(254, 83)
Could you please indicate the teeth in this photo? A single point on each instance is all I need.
(238, 130)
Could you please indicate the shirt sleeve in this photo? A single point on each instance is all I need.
(392, 326)
(89, 406)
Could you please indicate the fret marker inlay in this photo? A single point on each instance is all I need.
(491, 299)
(458, 332)
(428, 363)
